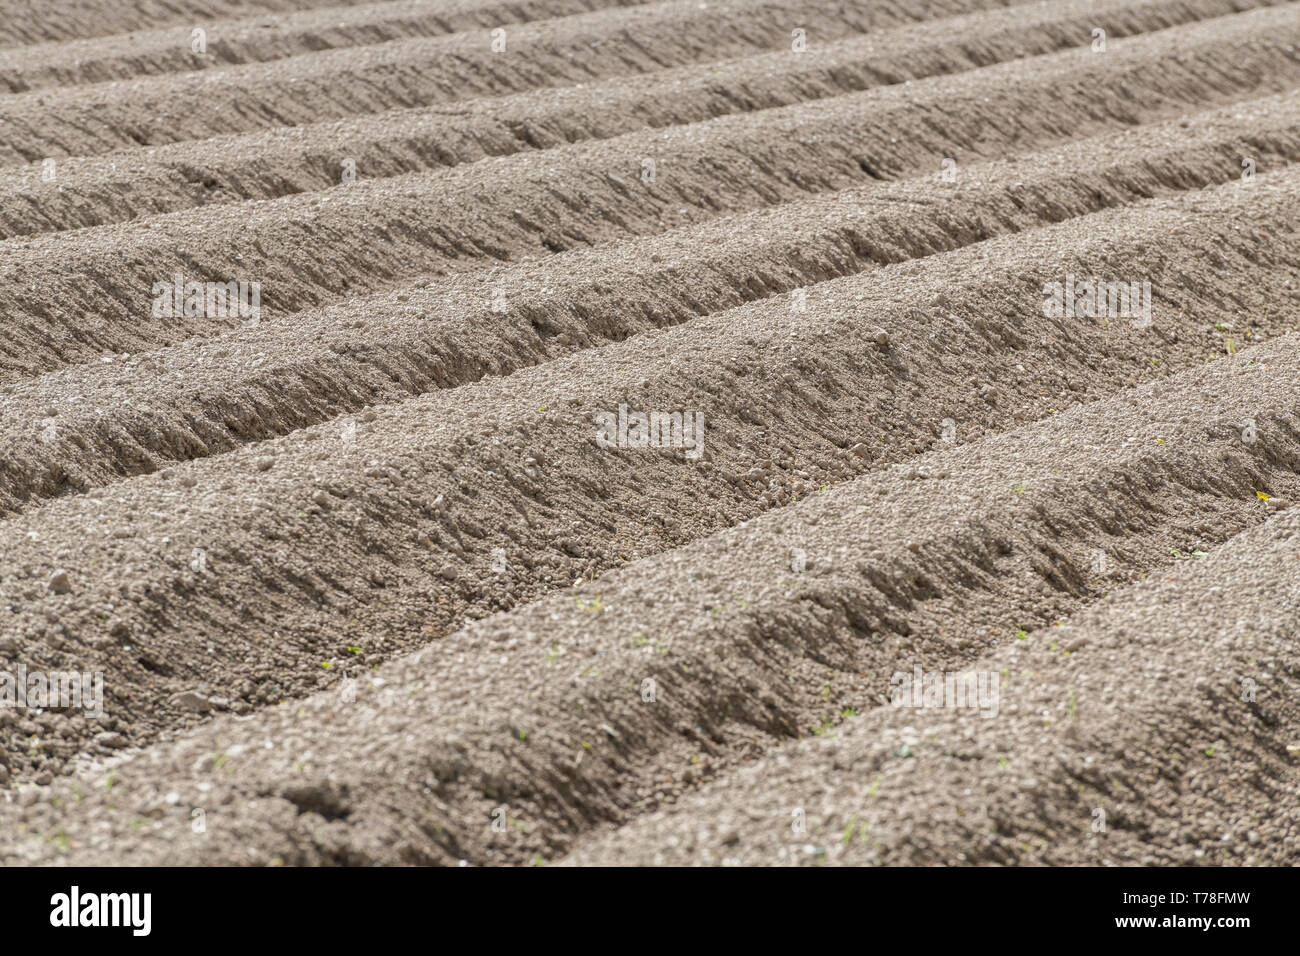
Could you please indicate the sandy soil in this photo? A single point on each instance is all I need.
(363, 577)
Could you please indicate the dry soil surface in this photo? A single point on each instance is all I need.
(730, 433)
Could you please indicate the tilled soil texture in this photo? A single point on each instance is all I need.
(73, 303)
(380, 570)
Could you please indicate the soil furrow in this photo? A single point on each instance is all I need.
(71, 303)
(126, 184)
(594, 706)
(331, 84)
(239, 576)
(1147, 731)
(262, 38)
(509, 432)
(25, 22)
(97, 423)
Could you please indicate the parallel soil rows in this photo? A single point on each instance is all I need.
(418, 72)
(28, 23)
(205, 397)
(1184, 769)
(260, 38)
(362, 573)
(387, 528)
(300, 158)
(73, 302)
(545, 711)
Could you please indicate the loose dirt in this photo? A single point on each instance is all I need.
(377, 571)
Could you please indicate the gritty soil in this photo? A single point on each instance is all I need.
(366, 585)
(92, 300)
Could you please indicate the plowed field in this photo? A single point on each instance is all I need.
(593, 432)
